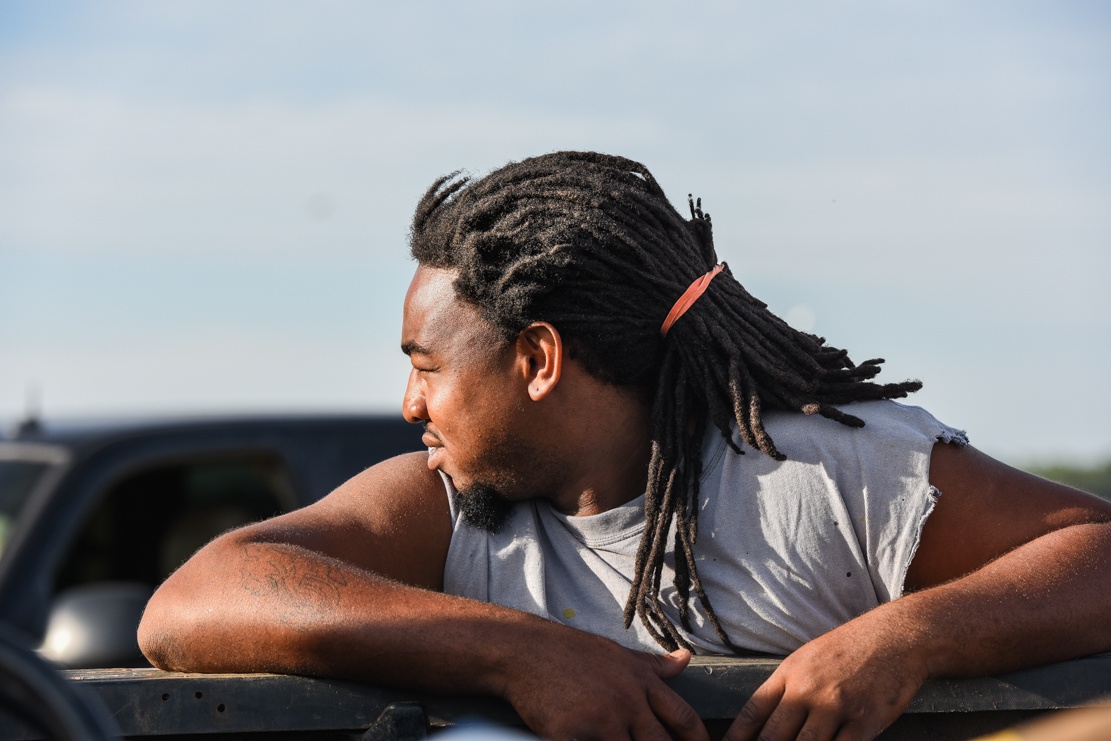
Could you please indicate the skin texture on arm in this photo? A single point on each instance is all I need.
(348, 587)
(1011, 571)
(279, 581)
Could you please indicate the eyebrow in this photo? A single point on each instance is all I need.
(411, 347)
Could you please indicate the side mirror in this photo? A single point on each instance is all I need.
(94, 626)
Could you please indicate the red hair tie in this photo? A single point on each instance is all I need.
(688, 298)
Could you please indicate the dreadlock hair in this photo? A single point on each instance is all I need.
(590, 243)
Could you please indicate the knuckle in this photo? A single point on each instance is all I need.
(750, 714)
(655, 661)
(673, 711)
(685, 717)
(809, 733)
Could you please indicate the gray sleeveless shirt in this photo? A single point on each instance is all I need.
(786, 550)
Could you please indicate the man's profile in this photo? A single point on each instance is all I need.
(631, 458)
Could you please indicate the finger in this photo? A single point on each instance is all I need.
(756, 711)
(648, 729)
(820, 726)
(676, 715)
(786, 721)
(853, 731)
(669, 665)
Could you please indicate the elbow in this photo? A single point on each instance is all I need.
(155, 646)
(159, 638)
(174, 635)
(174, 629)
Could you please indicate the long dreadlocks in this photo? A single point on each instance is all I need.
(590, 243)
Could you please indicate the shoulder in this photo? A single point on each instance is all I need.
(885, 419)
(392, 493)
(987, 508)
(892, 433)
(391, 519)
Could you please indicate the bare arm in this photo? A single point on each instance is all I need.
(349, 587)
(275, 595)
(1011, 571)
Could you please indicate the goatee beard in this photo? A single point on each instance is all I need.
(482, 506)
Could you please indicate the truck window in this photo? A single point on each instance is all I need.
(151, 522)
(17, 480)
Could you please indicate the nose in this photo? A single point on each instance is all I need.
(412, 405)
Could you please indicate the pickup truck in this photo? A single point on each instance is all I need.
(93, 517)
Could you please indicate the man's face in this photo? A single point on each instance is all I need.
(465, 388)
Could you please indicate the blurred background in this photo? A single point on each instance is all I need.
(204, 205)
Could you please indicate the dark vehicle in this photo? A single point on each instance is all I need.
(93, 518)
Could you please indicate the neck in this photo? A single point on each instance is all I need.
(621, 481)
(607, 435)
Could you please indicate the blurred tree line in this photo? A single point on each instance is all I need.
(1096, 479)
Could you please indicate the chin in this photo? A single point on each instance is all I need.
(484, 506)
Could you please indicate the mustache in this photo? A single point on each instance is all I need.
(429, 431)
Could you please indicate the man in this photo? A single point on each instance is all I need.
(623, 440)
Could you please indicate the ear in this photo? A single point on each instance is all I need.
(540, 358)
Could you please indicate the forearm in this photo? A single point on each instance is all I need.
(254, 606)
(243, 606)
(1048, 600)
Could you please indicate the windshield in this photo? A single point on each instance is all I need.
(17, 481)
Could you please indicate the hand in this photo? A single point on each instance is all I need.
(848, 684)
(603, 691)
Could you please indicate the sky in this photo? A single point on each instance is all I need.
(204, 206)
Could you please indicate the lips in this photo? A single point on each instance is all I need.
(436, 448)
(430, 440)
(435, 456)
